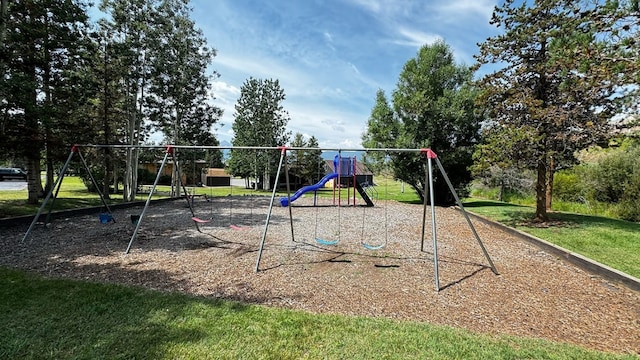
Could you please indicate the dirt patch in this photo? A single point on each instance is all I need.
(535, 295)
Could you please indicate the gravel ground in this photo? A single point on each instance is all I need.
(536, 294)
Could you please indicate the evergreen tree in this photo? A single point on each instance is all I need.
(382, 131)
(179, 88)
(307, 165)
(130, 25)
(42, 51)
(260, 120)
(557, 99)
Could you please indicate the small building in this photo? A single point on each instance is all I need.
(191, 173)
(215, 177)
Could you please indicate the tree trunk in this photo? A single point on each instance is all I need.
(31, 133)
(4, 18)
(49, 171)
(106, 104)
(541, 192)
(550, 183)
(33, 180)
(131, 171)
(107, 173)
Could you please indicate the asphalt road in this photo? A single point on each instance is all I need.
(13, 185)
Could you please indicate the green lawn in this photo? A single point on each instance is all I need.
(615, 243)
(64, 319)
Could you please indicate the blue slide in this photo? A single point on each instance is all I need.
(285, 201)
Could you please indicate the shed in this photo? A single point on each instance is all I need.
(215, 177)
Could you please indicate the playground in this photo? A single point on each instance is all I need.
(535, 295)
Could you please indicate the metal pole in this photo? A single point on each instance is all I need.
(466, 216)
(93, 180)
(286, 175)
(200, 147)
(184, 189)
(146, 204)
(424, 206)
(266, 223)
(354, 181)
(433, 224)
(74, 149)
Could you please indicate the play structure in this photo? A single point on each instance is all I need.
(344, 169)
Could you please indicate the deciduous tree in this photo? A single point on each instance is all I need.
(433, 107)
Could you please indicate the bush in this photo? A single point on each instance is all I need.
(164, 180)
(568, 186)
(616, 179)
(145, 177)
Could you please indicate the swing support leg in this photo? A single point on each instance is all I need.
(146, 204)
(57, 183)
(283, 153)
(184, 189)
(429, 182)
(466, 216)
(56, 188)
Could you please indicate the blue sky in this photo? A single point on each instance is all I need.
(330, 56)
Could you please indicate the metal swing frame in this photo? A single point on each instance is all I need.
(430, 157)
(55, 189)
(429, 154)
(170, 151)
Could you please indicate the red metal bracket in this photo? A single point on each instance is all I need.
(430, 154)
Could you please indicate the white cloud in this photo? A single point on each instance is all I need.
(454, 9)
(330, 57)
(416, 38)
(226, 96)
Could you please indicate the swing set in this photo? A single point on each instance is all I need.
(137, 220)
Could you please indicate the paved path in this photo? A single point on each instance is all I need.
(13, 185)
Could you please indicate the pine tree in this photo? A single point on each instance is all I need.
(260, 120)
(560, 100)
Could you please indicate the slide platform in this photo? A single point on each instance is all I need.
(285, 201)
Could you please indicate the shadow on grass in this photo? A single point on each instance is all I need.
(522, 216)
(485, 203)
(73, 319)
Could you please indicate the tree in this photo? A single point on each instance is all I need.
(307, 165)
(179, 88)
(382, 130)
(260, 120)
(542, 90)
(130, 23)
(433, 107)
(41, 52)
(110, 119)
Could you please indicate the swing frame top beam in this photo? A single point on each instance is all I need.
(429, 152)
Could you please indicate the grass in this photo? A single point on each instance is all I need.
(65, 319)
(609, 241)
(72, 195)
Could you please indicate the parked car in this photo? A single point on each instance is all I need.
(12, 173)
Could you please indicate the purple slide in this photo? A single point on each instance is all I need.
(285, 202)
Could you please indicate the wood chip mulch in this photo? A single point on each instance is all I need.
(535, 295)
